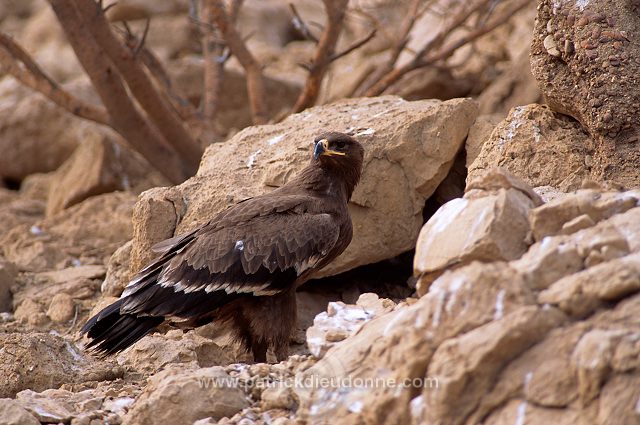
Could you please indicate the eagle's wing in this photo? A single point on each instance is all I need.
(258, 249)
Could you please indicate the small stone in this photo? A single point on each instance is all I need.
(61, 309)
(278, 397)
(13, 413)
(31, 313)
(550, 45)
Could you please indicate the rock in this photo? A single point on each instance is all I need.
(35, 134)
(341, 320)
(466, 365)
(11, 413)
(582, 293)
(61, 309)
(516, 86)
(540, 147)
(118, 273)
(46, 361)
(8, 274)
(177, 396)
(489, 223)
(588, 207)
(278, 397)
(480, 132)
(86, 233)
(156, 351)
(582, 56)
(400, 142)
(30, 312)
(15, 211)
(101, 164)
(37, 186)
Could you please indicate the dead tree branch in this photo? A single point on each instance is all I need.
(15, 61)
(131, 70)
(437, 50)
(126, 118)
(255, 80)
(335, 10)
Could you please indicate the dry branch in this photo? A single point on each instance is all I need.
(255, 80)
(125, 116)
(435, 50)
(132, 71)
(335, 10)
(15, 61)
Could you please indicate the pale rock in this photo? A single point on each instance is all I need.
(176, 396)
(61, 309)
(413, 144)
(46, 361)
(549, 193)
(11, 413)
(156, 351)
(35, 133)
(278, 397)
(37, 186)
(30, 312)
(618, 403)
(591, 361)
(490, 223)
(539, 146)
(342, 320)
(515, 86)
(520, 412)
(45, 408)
(8, 274)
(118, 274)
(101, 164)
(581, 293)
(92, 229)
(578, 211)
(478, 133)
(466, 366)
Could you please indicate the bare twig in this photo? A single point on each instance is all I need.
(335, 10)
(354, 46)
(299, 25)
(129, 66)
(15, 61)
(125, 117)
(434, 50)
(255, 80)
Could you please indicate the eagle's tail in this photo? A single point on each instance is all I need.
(111, 331)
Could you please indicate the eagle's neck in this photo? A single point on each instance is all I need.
(327, 180)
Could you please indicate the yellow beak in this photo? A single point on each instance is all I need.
(322, 148)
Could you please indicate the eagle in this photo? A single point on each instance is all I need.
(242, 267)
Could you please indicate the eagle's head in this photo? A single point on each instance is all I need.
(340, 153)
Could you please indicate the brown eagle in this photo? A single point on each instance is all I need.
(244, 265)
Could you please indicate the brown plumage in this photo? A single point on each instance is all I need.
(244, 265)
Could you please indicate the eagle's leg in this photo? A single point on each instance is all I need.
(271, 320)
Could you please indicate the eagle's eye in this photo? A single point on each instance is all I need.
(340, 145)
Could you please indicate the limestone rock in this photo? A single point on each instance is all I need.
(176, 396)
(278, 397)
(30, 312)
(489, 223)
(540, 147)
(61, 309)
(35, 134)
(93, 228)
(156, 351)
(341, 320)
(592, 77)
(412, 144)
(579, 211)
(46, 361)
(479, 132)
(8, 273)
(11, 413)
(101, 164)
(582, 293)
(117, 271)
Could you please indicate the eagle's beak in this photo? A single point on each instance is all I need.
(322, 148)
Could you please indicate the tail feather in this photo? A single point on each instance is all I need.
(111, 331)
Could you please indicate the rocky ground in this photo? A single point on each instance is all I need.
(494, 275)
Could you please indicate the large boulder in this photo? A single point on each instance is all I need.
(410, 147)
(584, 57)
(551, 337)
(38, 361)
(541, 147)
